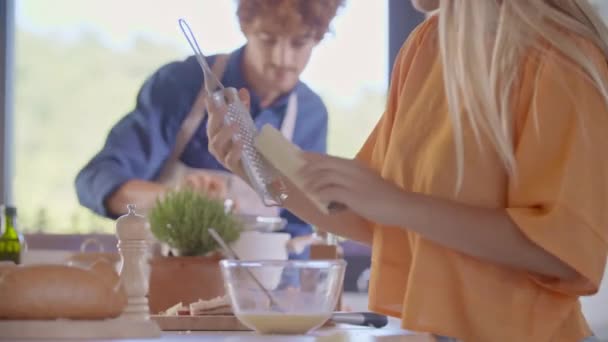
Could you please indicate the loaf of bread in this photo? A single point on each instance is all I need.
(60, 291)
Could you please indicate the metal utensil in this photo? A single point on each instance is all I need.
(262, 176)
(232, 254)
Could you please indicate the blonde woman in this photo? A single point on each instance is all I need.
(483, 189)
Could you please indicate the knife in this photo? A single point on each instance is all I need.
(368, 319)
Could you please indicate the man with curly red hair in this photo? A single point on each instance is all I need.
(281, 35)
(162, 143)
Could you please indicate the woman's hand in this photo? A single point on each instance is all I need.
(221, 143)
(352, 184)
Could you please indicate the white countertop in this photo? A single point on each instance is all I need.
(325, 335)
(341, 333)
(334, 335)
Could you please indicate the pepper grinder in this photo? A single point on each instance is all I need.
(132, 230)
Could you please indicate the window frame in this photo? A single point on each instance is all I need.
(7, 53)
(402, 20)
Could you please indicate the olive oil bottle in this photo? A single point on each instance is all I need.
(10, 244)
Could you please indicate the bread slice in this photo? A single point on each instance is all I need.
(177, 310)
(214, 306)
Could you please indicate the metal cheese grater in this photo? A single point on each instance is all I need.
(262, 176)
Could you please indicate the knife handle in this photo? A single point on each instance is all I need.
(368, 319)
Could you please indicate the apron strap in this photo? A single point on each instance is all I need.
(194, 118)
(291, 114)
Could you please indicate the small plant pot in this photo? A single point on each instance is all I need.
(184, 279)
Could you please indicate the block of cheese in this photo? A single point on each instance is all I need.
(286, 158)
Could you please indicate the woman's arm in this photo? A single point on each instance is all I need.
(488, 234)
(345, 223)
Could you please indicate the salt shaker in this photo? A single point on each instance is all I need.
(133, 234)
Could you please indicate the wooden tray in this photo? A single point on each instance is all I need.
(63, 329)
(199, 323)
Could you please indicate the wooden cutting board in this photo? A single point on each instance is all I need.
(64, 329)
(199, 323)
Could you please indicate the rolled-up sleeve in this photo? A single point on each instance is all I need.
(138, 145)
(559, 198)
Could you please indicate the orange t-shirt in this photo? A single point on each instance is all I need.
(558, 199)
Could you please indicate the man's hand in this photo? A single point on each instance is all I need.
(207, 184)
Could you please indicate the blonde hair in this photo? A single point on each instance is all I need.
(482, 44)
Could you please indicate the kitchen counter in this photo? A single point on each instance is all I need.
(325, 336)
(341, 333)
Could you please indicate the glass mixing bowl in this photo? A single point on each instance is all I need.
(283, 296)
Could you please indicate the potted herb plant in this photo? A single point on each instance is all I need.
(180, 220)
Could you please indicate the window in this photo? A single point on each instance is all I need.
(602, 8)
(79, 65)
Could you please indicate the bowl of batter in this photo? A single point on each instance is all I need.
(301, 302)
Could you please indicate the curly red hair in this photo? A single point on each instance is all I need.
(290, 15)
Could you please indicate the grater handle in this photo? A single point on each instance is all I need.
(211, 82)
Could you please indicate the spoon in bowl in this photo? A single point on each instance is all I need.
(232, 254)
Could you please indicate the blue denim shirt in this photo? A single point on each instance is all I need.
(139, 144)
